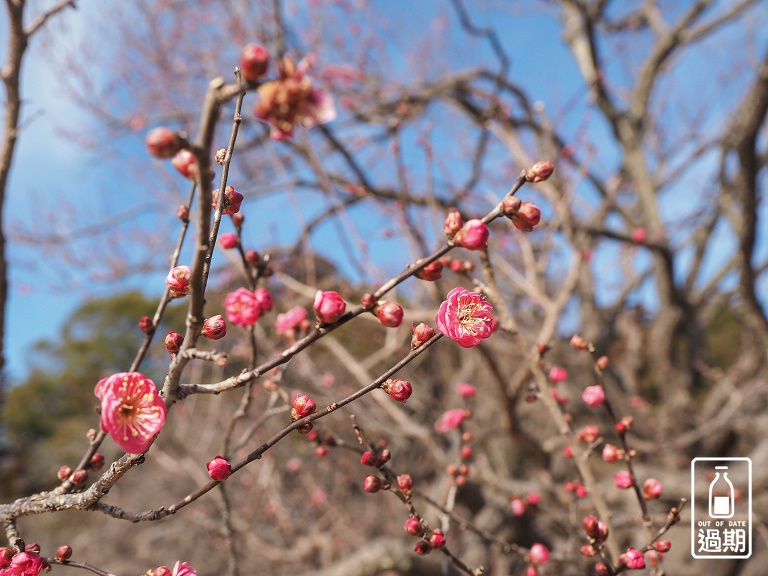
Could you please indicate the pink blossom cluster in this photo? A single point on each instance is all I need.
(244, 307)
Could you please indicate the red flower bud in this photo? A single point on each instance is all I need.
(623, 480)
(264, 299)
(182, 213)
(6, 554)
(662, 545)
(539, 554)
(221, 155)
(405, 483)
(453, 223)
(185, 162)
(587, 550)
(219, 469)
(228, 240)
(539, 171)
(173, 342)
(602, 362)
(527, 217)
(369, 459)
(398, 389)
(368, 300)
(414, 527)
(302, 406)
(473, 235)
(436, 538)
(238, 219)
(593, 395)
(63, 552)
(32, 547)
(612, 453)
(390, 314)
(466, 452)
(421, 333)
(97, 462)
(329, 306)
(590, 526)
(79, 477)
(232, 200)
(162, 143)
(371, 484)
(214, 328)
(422, 548)
(510, 205)
(578, 343)
(431, 272)
(588, 434)
(254, 62)
(652, 488)
(385, 456)
(253, 258)
(146, 324)
(64, 472)
(601, 569)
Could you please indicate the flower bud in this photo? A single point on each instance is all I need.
(162, 143)
(623, 480)
(185, 162)
(368, 300)
(638, 235)
(557, 375)
(436, 538)
(634, 559)
(465, 390)
(64, 472)
(414, 527)
(302, 406)
(97, 462)
(79, 477)
(533, 499)
(178, 280)
(422, 548)
(33, 547)
(580, 491)
(587, 550)
(390, 314)
(369, 459)
(602, 531)
(405, 483)
(398, 389)
(63, 552)
(173, 342)
(329, 306)
(602, 362)
(612, 453)
(228, 240)
(539, 171)
(453, 223)
(146, 324)
(253, 258)
(421, 333)
(220, 156)
(590, 526)
(652, 488)
(254, 62)
(238, 220)
(321, 451)
(662, 545)
(182, 213)
(601, 569)
(510, 205)
(371, 484)
(538, 554)
(527, 217)
(578, 343)
(588, 434)
(518, 507)
(431, 272)
(457, 266)
(466, 453)
(214, 328)
(473, 235)
(385, 456)
(219, 469)
(593, 395)
(232, 200)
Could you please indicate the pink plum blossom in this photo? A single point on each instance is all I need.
(557, 375)
(24, 564)
(623, 480)
(242, 307)
(473, 235)
(291, 319)
(539, 554)
(652, 488)
(264, 299)
(464, 317)
(465, 390)
(178, 280)
(132, 412)
(634, 559)
(228, 240)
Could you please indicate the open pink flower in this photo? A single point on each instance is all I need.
(292, 99)
(183, 569)
(290, 319)
(24, 564)
(593, 395)
(242, 307)
(132, 412)
(464, 317)
(264, 298)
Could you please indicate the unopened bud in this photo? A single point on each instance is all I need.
(79, 477)
(146, 324)
(612, 453)
(398, 389)
(182, 213)
(405, 483)
(6, 555)
(588, 434)
(539, 171)
(371, 484)
(473, 235)
(390, 314)
(173, 342)
(602, 362)
(510, 205)
(232, 200)
(437, 538)
(369, 459)
(253, 258)
(64, 472)
(220, 156)
(414, 527)
(453, 223)
(214, 328)
(526, 217)
(587, 550)
(302, 406)
(185, 162)
(254, 62)
(422, 548)
(385, 456)
(33, 547)
(431, 272)
(238, 219)
(64, 552)
(421, 333)
(368, 300)
(578, 343)
(97, 462)
(662, 545)
(590, 526)
(162, 143)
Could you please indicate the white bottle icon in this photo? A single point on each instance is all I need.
(721, 495)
